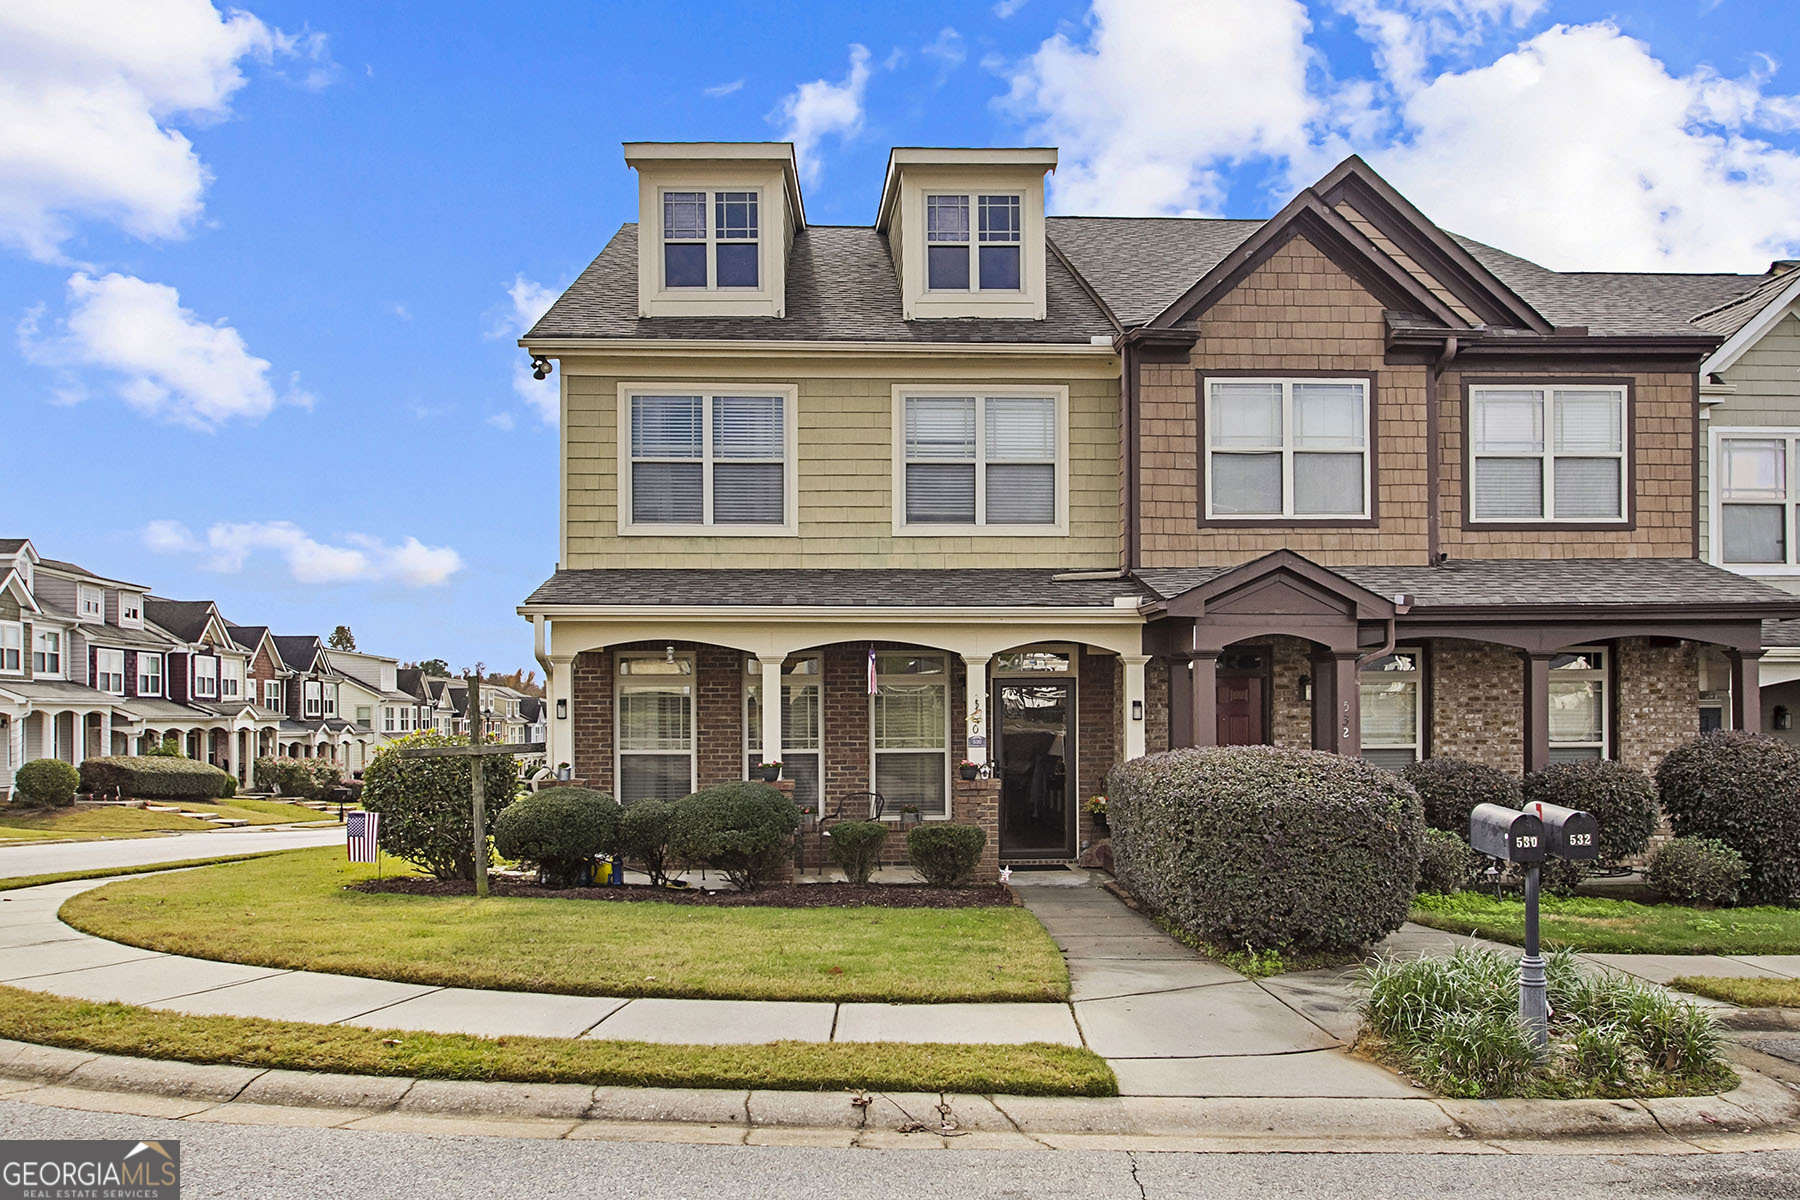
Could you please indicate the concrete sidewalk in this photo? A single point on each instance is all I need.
(39, 858)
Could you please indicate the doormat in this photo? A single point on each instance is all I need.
(1039, 866)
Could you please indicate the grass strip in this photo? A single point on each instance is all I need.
(1745, 993)
(1035, 1069)
(1606, 926)
(25, 881)
(294, 911)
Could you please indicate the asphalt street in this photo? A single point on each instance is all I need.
(27, 858)
(241, 1161)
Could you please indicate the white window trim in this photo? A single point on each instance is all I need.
(1417, 678)
(271, 697)
(62, 649)
(893, 812)
(24, 651)
(144, 657)
(100, 656)
(84, 593)
(329, 698)
(1057, 392)
(1602, 675)
(713, 241)
(131, 620)
(228, 676)
(973, 245)
(753, 729)
(790, 502)
(1288, 451)
(198, 678)
(1715, 497)
(621, 680)
(312, 698)
(1548, 455)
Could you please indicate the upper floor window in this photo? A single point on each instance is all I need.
(716, 249)
(982, 256)
(131, 610)
(206, 676)
(989, 461)
(272, 694)
(1278, 448)
(46, 652)
(149, 673)
(1547, 453)
(231, 678)
(109, 671)
(331, 699)
(713, 459)
(311, 693)
(1752, 474)
(12, 647)
(91, 602)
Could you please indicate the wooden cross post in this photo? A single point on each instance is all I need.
(475, 751)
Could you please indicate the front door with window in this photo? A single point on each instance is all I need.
(1035, 761)
(1240, 701)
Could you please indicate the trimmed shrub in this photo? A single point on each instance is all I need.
(1450, 789)
(1621, 798)
(1445, 862)
(1693, 870)
(324, 773)
(856, 847)
(169, 747)
(741, 830)
(943, 854)
(157, 777)
(644, 836)
(46, 783)
(286, 777)
(1267, 848)
(426, 815)
(1744, 790)
(562, 830)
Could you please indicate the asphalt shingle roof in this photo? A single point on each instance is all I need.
(1141, 265)
(11, 545)
(988, 587)
(186, 619)
(1733, 315)
(297, 650)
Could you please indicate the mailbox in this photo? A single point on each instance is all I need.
(1506, 833)
(1568, 832)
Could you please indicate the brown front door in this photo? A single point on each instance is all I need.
(1241, 711)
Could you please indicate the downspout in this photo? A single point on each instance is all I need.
(1128, 416)
(1402, 606)
(1433, 513)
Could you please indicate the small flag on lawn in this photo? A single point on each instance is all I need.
(360, 831)
(871, 670)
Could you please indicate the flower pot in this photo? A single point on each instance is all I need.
(968, 773)
(769, 774)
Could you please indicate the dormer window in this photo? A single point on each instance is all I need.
(92, 602)
(987, 263)
(720, 254)
(131, 610)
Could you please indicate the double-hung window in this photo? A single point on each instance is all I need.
(1547, 453)
(1278, 448)
(910, 740)
(993, 461)
(12, 647)
(800, 723)
(1578, 705)
(711, 239)
(91, 601)
(206, 676)
(311, 697)
(46, 652)
(272, 695)
(131, 610)
(331, 699)
(390, 723)
(149, 673)
(109, 671)
(231, 678)
(655, 726)
(720, 459)
(1393, 710)
(981, 254)
(1752, 477)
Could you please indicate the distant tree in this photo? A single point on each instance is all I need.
(434, 666)
(341, 639)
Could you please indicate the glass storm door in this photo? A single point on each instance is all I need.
(1035, 760)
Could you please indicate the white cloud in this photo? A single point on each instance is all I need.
(1006, 8)
(815, 110)
(164, 360)
(528, 300)
(947, 50)
(1406, 35)
(722, 89)
(91, 93)
(503, 421)
(228, 547)
(1162, 95)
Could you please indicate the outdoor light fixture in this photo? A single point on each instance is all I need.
(1306, 687)
(1137, 710)
(562, 710)
(1781, 717)
(540, 367)
(668, 654)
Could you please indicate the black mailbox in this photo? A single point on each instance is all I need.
(1506, 833)
(1568, 832)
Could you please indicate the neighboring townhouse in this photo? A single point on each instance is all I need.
(426, 706)
(1750, 411)
(368, 685)
(206, 701)
(265, 685)
(1046, 493)
(316, 726)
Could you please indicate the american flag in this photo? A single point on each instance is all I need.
(360, 831)
(871, 670)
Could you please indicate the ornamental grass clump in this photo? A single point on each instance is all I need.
(1452, 1023)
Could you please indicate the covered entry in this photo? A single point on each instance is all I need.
(1034, 753)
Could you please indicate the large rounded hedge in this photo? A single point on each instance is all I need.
(1450, 789)
(46, 783)
(741, 830)
(1621, 799)
(1267, 848)
(562, 830)
(157, 777)
(426, 816)
(1744, 790)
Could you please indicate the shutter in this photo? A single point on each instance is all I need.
(1587, 487)
(1330, 484)
(1754, 533)
(940, 493)
(1508, 487)
(1021, 494)
(667, 493)
(1246, 485)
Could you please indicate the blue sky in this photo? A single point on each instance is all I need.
(265, 268)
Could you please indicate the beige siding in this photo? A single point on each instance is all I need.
(845, 472)
(1767, 379)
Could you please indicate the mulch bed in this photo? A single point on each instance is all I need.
(805, 895)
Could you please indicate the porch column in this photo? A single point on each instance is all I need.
(1537, 711)
(1134, 704)
(1346, 704)
(1324, 704)
(1204, 714)
(231, 752)
(771, 706)
(559, 688)
(975, 701)
(1746, 689)
(1181, 704)
(105, 732)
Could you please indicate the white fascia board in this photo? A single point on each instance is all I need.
(854, 615)
(1734, 348)
(689, 347)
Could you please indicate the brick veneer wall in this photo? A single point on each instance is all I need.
(1477, 703)
(1659, 699)
(1290, 717)
(591, 721)
(1100, 730)
(1156, 706)
(719, 715)
(977, 802)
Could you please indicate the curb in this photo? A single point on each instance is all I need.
(1761, 1113)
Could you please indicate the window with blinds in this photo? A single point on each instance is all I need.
(1578, 705)
(655, 735)
(1547, 453)
(801, 678)
(980, 460)
(1393, 710)
(1287, 448)
(708, 459)
(1751, 473)
(910, 733)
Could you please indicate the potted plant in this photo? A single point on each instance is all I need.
(909, 814)
(769, 771)
(968, 770)
(564, 771)
(1095, 807)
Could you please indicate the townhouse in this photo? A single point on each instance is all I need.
(974, 483)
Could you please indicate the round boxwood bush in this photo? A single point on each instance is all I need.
(856, 847)
(426, 815)
(1266, 848)
(562, 830)
(741, 830)
(1622, 800)
(1445, 862)
(943, 854)
(1744, 790)
(1693, 870)
(1450, 789)
(644, 836)
(46, 783)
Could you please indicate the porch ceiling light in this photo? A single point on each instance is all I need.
(669, 653)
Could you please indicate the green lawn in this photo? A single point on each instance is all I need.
(292, 910)
(1745, 993)
(1618, 926)
(12, 882)
(114, 821)
(1036, 1069)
